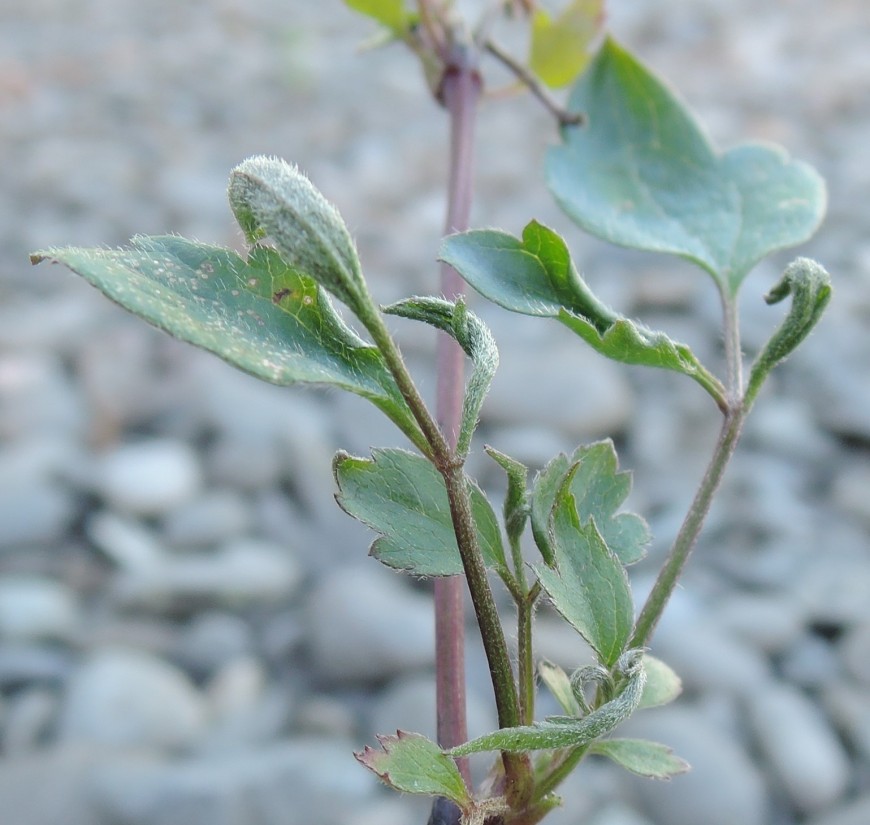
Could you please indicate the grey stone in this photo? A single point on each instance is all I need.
(833, 589)
(800, 746)
(244, 462)
(851, 491)
(722, 788)
(314, 781)
(29, 717)
(34, 608)
(129, 544)
(365, 624)
(242, 572)
(210, 640)
(849, 708)
(708, 657)
(125, 697)
(150, 477)
(854, 651)
(770, 621)
(853, 813)
(28, 664)
(51, 785)
(811, 662)
(34, 511)
(324, 716)
(618, 814)
(215, 517)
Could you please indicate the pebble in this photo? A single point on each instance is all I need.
(618, 814)
(854, 651)
(148, 478)
(854, 813)
(769, 621)
(34, 609)
(365, 624)
(849, 708)
(243, 463)
(833, 589)
(245, 571)
(210, 640)
(799, 745)
(125, 697)
(851, 491)
(722, 788)
(214, 517)
(34, 512)
(811, 662)
(28, 720)
(32, 664)
(129, 544)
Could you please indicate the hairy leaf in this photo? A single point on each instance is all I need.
(642, 174)
(559, 685)
(534, 275)
(599, 490)
(586, 581)
(411, 763)
(402, 496)
(650, 759)
(259, 314)
(565, 731)
(271, 197)
(560, 45)
(476, 341)
(810, 287)
(516, 502)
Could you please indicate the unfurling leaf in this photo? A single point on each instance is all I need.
(402, 496)
(270, 197)
(516, 501)
(560, 45)
(568, 732)
(411, 763)
(810, 287)
(259, 314)
(391, 14)
(642, 174)
(534, 275)
(599, 490)
(649, 759)
(476, 341)
(586, 581)
(559, 685)
(662, 684)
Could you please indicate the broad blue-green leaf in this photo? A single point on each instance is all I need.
(599, 490)
(662, 684)
(258, 314)
(566, 731)
(560, 45)
(272, 198)
(476, 341)
(810, 287)
(642, 174)
(534, 275)
(586, 581)
(402, 496)
(411, 763)
(650, 759)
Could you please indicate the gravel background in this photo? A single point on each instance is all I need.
(188, 630)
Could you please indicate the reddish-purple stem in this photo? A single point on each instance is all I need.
(460, 92)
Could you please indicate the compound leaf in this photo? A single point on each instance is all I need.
(599, 490)
(259, 314)
(586, 581)
(642, 174)
(411, 763)
(535, 275)
(402, 496)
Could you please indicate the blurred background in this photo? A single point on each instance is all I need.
(190, 630)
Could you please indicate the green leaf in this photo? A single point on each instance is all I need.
(391, 14)
(662, 684)
(271, 198)
(599, 490)
(559, 685)
(650, 759)
(810, 287)
(516, 502)
(586, 582)
(535, 276)
(560, 45)
(402, 496)
(565, 731)
(259, 314)
(411, 763)
(642, 174)
(476, 341)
